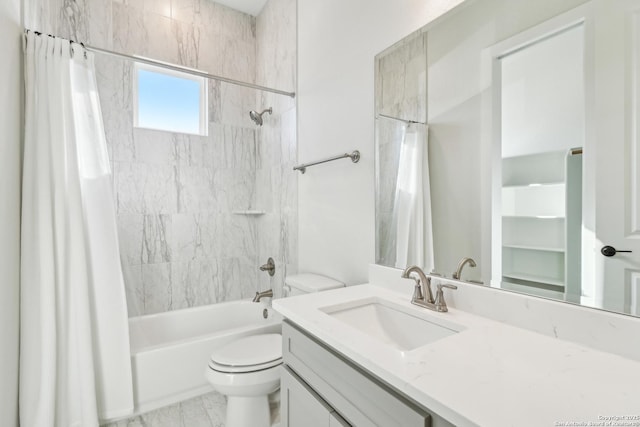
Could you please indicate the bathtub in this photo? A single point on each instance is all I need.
(170, 351)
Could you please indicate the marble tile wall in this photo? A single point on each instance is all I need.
(389, 134)
(181, 243)
(401, 92)
(276, 182)
(401, 80)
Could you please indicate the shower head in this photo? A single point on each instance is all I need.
(257, 117)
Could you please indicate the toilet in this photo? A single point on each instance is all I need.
(247, 370)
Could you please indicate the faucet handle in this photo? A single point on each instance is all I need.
(269, 267)
(417, 290)
(440, 303)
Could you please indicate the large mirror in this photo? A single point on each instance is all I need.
(507, 132)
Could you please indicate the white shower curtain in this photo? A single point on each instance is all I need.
(75, 359)
(412, 206)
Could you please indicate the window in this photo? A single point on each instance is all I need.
(169, 100)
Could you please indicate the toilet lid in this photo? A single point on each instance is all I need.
(263, 349)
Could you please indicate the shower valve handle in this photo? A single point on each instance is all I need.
(269, 267)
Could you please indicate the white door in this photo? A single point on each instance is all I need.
(614, 56)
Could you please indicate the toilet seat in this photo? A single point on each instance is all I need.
(243, 369)
(249, 354)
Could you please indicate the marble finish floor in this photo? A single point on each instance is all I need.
(203, 411)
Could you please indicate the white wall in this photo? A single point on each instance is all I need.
(337, 42)
(543, 96)
(10, 137)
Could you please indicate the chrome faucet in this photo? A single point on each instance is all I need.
(263, 294)
(422, 291)
(463, 262)
(422, 294)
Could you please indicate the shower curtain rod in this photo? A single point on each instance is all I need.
(401, 120)
(179, 68)
(188, 71)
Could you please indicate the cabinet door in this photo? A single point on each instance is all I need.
(302, 407)
(337, 421)
(355, 395)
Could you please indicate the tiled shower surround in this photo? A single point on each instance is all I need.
(180, 198)
(401, 84)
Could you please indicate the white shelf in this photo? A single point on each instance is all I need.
(535, 201)
(534, 248)
(533, 232)
(542, 217)
(533, 185)
(533, 278)
(532, 290)
(249, 213)
(534, 168)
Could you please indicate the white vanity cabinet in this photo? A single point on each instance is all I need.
(322, 388)
(303, 406)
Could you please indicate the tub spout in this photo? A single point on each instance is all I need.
(263, 294)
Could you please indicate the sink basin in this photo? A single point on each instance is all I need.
(389, 324)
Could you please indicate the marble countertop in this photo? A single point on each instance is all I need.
(489, 374)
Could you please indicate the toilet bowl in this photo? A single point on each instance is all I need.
(247, 370)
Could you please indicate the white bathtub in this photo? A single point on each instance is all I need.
(170, 351)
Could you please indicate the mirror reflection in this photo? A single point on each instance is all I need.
(542, 139)
(513, 143)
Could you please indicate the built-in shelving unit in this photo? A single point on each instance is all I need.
(534, 221)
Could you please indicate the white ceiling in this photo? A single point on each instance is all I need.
(252, 7)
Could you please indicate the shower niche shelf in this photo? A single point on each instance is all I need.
(250, 213)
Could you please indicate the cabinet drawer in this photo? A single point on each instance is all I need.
(302, 407)
(363, 401)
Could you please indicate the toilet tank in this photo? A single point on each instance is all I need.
(307, 283)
